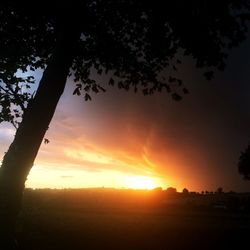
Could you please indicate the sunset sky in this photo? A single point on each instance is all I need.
(122, 139)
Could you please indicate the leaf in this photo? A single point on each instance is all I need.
(167, 88)
(145, 91)
(120, 85)
(87, 88)
(111, 81)
(176, 97)
(209, 75)
(87, 97)
(185, 91)
(95, 89)
(101, 88)
(171, 79)
(77, 91)
(179, 82)
(99, 71)
(46, 141)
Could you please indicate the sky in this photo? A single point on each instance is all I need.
(125, 140)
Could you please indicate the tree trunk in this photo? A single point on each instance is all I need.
(21, 154)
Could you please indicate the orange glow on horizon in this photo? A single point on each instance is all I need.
(49, 177)
(140, 182)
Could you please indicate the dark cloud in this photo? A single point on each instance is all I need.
(197, 140)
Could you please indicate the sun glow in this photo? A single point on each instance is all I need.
(140, 182)
(49, 177)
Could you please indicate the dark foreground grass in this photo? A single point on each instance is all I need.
(131, 226)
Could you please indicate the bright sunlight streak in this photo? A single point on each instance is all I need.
(140, 182)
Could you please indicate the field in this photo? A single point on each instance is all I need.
(127, 219)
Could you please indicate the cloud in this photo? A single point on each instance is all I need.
(194, 143)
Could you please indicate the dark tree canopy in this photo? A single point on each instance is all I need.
(130, 41)
(244, 163)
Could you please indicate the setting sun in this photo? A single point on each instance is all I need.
(140, 182)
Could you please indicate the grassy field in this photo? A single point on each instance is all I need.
(99, 219)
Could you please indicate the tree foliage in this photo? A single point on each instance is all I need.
(130, 41)
(185, 191)
(244, 163)
(171, 191)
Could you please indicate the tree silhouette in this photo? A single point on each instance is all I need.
(185, 191)
(132, 42)
(219, 190)
(244, 163)
(171, 191)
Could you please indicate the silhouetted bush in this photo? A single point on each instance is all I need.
(219, 190)
(185, 191)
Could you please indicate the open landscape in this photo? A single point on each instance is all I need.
(132, 219)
